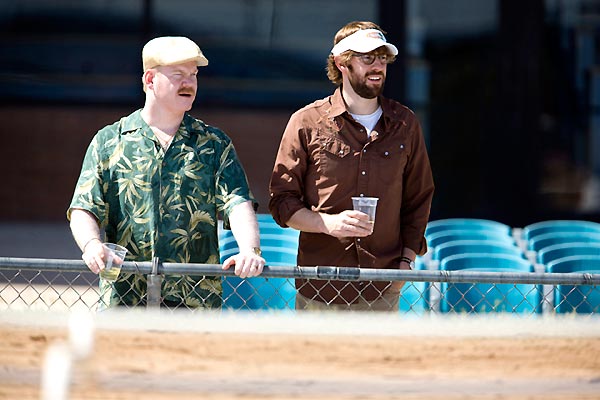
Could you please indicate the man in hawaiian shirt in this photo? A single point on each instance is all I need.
(156, 180)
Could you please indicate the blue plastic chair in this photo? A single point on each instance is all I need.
(264, 217)
(271, 234)
(555, 226)
(473, 224)
(436, 239)
(579, 299)
(279, 248)
(548, 239)
(414, 296)
(265, 228)
(487, 297)
(556, 251)
(228, 245)
(475, 246)
(258, 293)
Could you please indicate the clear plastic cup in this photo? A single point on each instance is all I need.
(368, 205)
(112, 269)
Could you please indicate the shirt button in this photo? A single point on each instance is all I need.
(401, 146)
(362, 195)
(364, 150)
(387, 153)
(364, 173)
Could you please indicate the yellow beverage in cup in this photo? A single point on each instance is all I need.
(112, 273)
(112, 269)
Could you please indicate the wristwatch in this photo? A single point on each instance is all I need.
(407, 260)
(257, 251)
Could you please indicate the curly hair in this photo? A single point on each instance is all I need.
(333, 72)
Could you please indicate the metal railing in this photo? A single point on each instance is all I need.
(54, 283)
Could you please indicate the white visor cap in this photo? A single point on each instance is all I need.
(363, 41)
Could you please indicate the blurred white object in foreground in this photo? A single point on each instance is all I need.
(56, 373)
(81, 333)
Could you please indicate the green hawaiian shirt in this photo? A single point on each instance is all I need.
(162, 204)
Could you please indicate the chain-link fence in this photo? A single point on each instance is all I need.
(27, 283)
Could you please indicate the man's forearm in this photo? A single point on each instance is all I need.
(410, 253)
(244, 226)
(84, 228)
(307, 221)
(310, 221)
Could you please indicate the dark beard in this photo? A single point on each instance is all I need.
(361, 87)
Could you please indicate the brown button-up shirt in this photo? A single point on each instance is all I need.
(325, 157)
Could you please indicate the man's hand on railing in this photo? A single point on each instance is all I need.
(95, 256)
(247, 263)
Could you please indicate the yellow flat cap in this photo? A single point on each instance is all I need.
(170, 50)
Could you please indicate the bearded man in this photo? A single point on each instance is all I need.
(354, 143)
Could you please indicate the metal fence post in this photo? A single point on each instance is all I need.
(154, 286)
(435, 289)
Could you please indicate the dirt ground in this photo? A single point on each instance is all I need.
(242, 363)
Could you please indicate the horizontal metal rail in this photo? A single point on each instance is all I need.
(318, 272)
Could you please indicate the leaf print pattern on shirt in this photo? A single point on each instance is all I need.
(162, 204)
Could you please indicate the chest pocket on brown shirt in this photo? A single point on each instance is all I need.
(334, 156)
(390, 162)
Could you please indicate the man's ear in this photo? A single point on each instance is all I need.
(148, 78)
(338, 63)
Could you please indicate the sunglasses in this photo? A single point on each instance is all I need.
(369, 58)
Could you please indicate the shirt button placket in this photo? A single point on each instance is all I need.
(163, 179)
(363, 171)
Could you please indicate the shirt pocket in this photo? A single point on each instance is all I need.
(391, 163)
(192, 174)
(334, 156)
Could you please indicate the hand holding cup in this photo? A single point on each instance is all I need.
(115, 255)
(367, 205)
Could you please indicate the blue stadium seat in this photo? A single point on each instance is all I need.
(555, 226)
(556, 251)
(414, 296)
(285, 242)
(539, 242)
(435, 239)
(475, 246)
(473, 224)
(280, 248)
(576, 298)
(487, 297)
(258, 293)
(265, 227)
(265, 218)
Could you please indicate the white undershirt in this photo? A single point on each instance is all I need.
(368, 120)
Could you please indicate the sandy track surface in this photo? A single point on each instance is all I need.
(320, 357)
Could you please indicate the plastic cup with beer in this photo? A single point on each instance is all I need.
(112, 269)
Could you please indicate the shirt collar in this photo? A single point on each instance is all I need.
(135, 122)
(338, 106)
